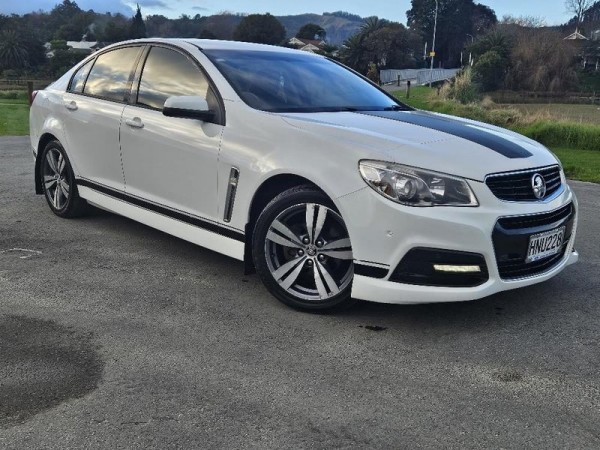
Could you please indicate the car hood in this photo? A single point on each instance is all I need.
(428, 140)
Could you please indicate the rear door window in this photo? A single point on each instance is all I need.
(110, 76)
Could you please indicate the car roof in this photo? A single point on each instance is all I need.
(214, 44)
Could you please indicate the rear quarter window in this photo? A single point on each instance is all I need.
(79, 78)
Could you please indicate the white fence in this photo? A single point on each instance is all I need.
(420, 76)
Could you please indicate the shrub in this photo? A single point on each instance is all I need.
(463, 88)
(564, 134)
(489, 70)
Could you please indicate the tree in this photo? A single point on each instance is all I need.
(63, 13)
(542, 61)
(260, 28)
(114, 31)
(497, 41)
(457, 20)
(372, 24)
(489, 71)
(578, 7)
(13, 55)
(311, 31)
(386, 44)
(524, 21)
(392, 46)
(137, 29)
(483, 19)
(206, 34)
(352, 51)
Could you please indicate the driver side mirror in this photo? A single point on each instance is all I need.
(188, 107)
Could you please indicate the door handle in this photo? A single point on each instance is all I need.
(71, 106)
(136, 122)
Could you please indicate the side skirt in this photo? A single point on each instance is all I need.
(231, 246)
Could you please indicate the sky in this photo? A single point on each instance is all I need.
(553, 11)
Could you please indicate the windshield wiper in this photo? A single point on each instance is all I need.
(395, 108)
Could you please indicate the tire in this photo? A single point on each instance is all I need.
(307, 268)
(58, 182)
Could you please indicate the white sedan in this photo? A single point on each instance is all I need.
(324, 184)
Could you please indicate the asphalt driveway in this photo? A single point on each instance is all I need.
(114, 335)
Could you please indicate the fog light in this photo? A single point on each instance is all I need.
(456, 268)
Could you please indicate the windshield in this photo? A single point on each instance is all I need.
(297, 82)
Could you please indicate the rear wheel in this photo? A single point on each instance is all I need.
(58, 182)
(302, 251)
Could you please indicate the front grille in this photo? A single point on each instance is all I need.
(511, 241)
(516, 186)
(510, 270)
(536, 220)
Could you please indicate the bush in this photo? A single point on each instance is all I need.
(564, 134)
(10, 73)
(463, 89)
(8, 95)
(489, 70)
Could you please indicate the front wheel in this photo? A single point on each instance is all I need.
(302, 251)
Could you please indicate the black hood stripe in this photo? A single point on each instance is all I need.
(499, 144)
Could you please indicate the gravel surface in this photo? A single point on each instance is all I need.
(114, 335)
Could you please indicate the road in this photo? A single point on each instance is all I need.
(114, 335)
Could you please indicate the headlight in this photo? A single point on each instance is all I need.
(416, 187)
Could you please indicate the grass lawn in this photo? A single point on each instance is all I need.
(580, 164)
(14, 117)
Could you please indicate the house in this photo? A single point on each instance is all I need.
(82, 46)
(307, 45)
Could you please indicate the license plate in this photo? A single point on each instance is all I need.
(545, 244)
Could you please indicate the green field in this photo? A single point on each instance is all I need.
(14, 117)
(556, 111)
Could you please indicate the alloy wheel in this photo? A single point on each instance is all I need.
(308, 252)
(56, 178)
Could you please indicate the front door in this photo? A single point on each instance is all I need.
(170, 161)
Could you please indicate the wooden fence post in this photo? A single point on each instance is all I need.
(29, 91)
(408, 89)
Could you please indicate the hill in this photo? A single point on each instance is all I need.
(339, 27)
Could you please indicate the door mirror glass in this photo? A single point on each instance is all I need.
(188, 107)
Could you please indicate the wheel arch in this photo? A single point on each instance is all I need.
(267, 191)
(44, 140)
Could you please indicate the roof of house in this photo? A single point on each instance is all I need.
(310, 48)
(82, 45)
(301, 42)
(577, 36)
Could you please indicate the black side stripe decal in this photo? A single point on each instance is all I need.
(499, 144)
(183, 217)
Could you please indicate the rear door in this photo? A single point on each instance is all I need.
(167, 160)
(93, 107)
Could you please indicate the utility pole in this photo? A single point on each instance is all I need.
(433, 45)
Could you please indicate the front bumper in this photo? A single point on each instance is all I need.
(383, 232)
